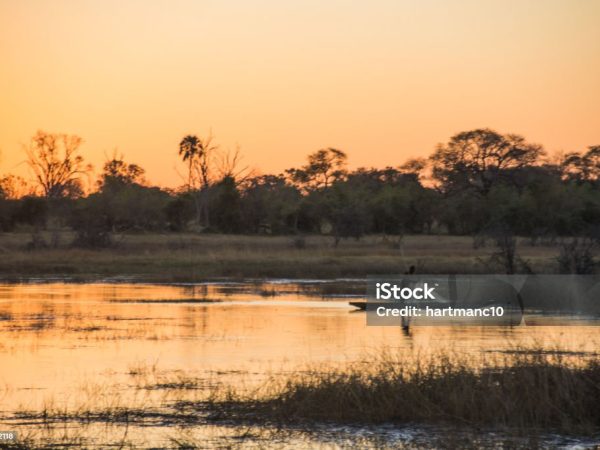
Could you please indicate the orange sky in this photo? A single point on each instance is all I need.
(383, 80)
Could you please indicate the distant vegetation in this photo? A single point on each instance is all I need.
(178, 257)
(480, 183)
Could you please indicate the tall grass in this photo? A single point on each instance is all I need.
(183, 257)
(523, 394)
(527, 390)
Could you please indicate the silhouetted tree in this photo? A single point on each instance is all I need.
(117, 174)
(229, 166)
(189, 149)
(486, 180)
(414, 166)
(583, 167)
(32, 211)
(199, 155)
(56, 164)
(13, 187)
(179, 211)
(324, 167)
(225, 205)
(348, 211)
(477, 159)
(7, 214)
(270, 205)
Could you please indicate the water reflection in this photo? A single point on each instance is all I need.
(74, 344)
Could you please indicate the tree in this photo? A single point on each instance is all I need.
(179, 211)
(229, 166)
(477, 159)
(324, 167)
(270, 204)
(204, 164)
(347, 211)
(189, 149)
(13, 187)
(414, 166)
(583, 167)
(117, 173)
(56, 164)
(198, 153)
(32, 211)
(225, 203)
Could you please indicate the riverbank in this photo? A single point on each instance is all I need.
(193, 257)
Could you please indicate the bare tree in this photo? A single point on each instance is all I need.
(205, 161)
(56, 164)
(229, 165)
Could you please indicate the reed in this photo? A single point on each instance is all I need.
(526, 390)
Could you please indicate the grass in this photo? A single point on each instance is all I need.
(190, 257)
(526, 391)
(517, 399)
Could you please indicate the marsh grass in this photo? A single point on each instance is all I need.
(154, 258)
(524, 391)
(514, 398)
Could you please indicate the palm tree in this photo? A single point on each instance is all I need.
(189, 149)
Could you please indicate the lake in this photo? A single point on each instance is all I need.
(111, 345)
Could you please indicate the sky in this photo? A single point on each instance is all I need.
(382, 80)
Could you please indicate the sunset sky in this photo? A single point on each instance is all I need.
(383, 80)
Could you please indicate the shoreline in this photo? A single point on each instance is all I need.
(192, 257)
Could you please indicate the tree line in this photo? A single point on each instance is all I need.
(477, 182)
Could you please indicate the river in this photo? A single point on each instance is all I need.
(76, 346)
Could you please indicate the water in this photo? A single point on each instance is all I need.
(82, 346)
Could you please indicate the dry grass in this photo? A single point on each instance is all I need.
(524, 393)
(501, 401)
(530, 390)
(188, 257)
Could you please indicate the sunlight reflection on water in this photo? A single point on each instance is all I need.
(76, 345)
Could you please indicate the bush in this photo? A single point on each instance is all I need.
(577, 257)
